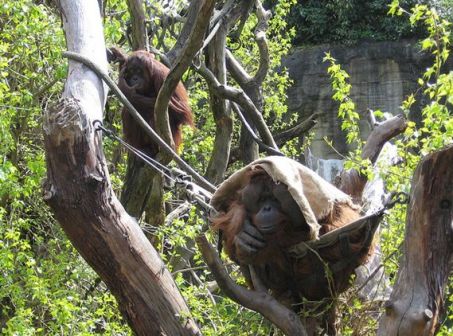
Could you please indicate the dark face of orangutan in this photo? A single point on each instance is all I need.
(270, 205)
(136, 76)
(264, 217)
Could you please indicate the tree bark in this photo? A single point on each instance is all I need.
(416, 302)
(351, 181)
(137, 186)
(260, 301)
(138, 24)
(252, 86)
(78, 189)
(221, 109)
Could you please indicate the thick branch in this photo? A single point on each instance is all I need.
(351, 181)
(186, 31)
(243, 100)
(261, 41)
(221, 109)
(79, 191)
(183, 61)
(296, 131)
(261, 302)
(252, 85)
(138, 24)
(416, 302)
(237, 70)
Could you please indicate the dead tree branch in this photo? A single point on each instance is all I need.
(220, 107)
(186, 31)
(261, 302)
(261, 41)
(416, 302)
(351, 181)
(243, 100)
(296, 131)
(182, 62)
(280, 138)
(252, 85)
(78, 189)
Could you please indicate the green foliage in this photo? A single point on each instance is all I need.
(349, 117)
(45, 287)
(434, 132)
(346, 22)
(341, 91)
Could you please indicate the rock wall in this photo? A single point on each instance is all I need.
(382, 74)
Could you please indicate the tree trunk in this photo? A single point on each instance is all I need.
(247, 145)
(143, 187)
(137, 186)
(221, 109)
(138, 25)
(416, 302)
(78, 189)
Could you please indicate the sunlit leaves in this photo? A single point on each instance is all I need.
(348, 116)
(435, 132)
(44, 284)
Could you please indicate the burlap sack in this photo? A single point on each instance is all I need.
(315, 196)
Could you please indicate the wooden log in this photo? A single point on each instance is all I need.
(79, 191)
(416, 302)
(351, 181)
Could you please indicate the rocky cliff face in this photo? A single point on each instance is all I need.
(382, 74)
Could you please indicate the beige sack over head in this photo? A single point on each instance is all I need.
(315, 196)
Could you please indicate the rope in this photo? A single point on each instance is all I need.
(156, 165)
(194, 192)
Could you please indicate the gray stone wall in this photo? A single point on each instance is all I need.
(382, 74)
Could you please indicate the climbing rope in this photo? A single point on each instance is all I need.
(180, 179)
(153, 163)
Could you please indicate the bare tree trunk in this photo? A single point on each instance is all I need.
(138, 25)
(221, 110)
(78, 190)
(143, 187)
(247, 145)
(252, 86)
(137, 186)
(417, 299)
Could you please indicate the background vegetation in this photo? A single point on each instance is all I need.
(45, 286)
(349, 21)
